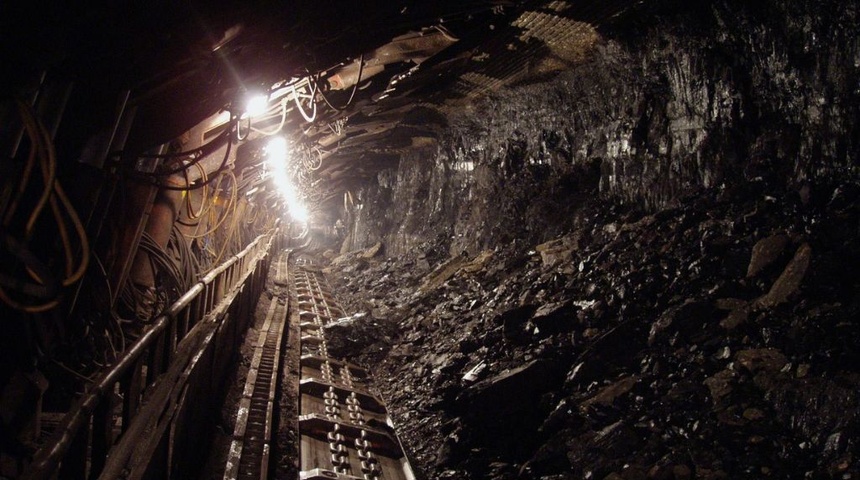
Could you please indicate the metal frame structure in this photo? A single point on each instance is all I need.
(142, 417)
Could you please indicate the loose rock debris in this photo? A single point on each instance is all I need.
(711, 340)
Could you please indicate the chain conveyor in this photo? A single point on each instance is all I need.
(345, 429)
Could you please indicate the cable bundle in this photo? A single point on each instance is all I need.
(37, 286)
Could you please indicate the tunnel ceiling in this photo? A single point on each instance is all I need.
(384, 74)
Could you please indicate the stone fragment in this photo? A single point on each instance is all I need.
(659, 472)
(372, 251)
(681, 472)
(556, 256)
(634, 472)
(448, 452)
(403, 351)
(558, 251)
(607, 395)
(352, 335)
(684, 316)
(720, 384)
(765, 252)
(708, 474)
(730, 303)
(509, 391)
(789, 282)
(736, 318)
(643, 222)
(551, 457)
(512, 320)
(475, 372)
(658, 327)
(753, 414)
(553, 318)
(442, 273)
(761, 359)
(479, 263)
(732, 416)
(563, 415)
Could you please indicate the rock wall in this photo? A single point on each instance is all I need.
(735, 97)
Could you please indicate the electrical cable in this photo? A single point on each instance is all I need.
(205, 202)
(189, 207)
(226, 212)
(25, 178)
(314, 166)
(113, 314)
(81, 232)
(198, 152)
(48, 162)
(64, 240)
(310, 118)
(280, 126)
(161, 261)
(239, 129)
(231, 230)
(220, 169)
(45, 290)
(41, 146)
(70, 212)
(69, 370)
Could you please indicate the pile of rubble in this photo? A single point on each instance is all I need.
(718, 339)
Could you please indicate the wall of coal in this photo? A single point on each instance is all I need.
(733, 98)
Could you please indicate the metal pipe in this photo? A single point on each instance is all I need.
(165, 211)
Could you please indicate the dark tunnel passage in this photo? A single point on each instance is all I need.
(482, 239)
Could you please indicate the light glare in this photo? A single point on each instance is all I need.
(257, 105)
(276, 150)
(276, 161)
(299, 212)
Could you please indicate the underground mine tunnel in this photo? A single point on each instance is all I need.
(449, 239)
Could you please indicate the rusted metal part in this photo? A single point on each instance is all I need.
(345, 430)
(161, 379)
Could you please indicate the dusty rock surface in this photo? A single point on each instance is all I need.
(685, 343)
(643, 268)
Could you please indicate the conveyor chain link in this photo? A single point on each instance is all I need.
(345, 431)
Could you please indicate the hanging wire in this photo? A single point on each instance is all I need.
(280, 126)
(53, 195)
(313, 115)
